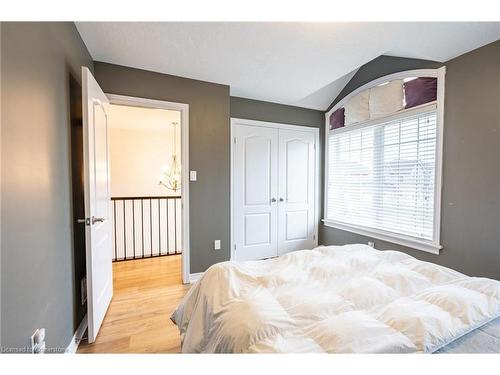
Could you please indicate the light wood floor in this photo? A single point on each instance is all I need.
(146, 292)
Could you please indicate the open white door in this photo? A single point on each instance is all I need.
(97, 203)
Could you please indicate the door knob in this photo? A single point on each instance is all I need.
(97, 219)
(282, 200)
(273, 200)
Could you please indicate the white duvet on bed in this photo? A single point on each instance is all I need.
(335, 299)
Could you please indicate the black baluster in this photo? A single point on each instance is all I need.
(151, 226)
(159, 228)
(124, 233)
(133, 224)
(114, 227)
(142, 225)
(175, 225)
(168, 237)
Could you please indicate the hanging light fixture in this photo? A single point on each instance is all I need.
(171, 177)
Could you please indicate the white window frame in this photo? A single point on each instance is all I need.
(433, 246)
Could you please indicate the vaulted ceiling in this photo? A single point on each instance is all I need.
(302, 64)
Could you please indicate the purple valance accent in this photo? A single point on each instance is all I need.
(337, 119)
(420, 91)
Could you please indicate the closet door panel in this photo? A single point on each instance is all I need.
(255, 188)
(296, 190)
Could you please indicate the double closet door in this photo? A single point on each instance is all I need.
(274, 189)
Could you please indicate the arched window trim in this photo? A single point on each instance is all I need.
(435, 73)
(435, 246)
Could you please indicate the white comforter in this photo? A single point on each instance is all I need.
(336, 299)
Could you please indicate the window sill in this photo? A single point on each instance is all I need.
(386, 236)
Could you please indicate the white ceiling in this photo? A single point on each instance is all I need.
(302, 64)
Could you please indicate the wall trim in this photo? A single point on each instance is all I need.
(184, 109)
(395, 238)
(277, 125)
(194, 277)
(77, 337)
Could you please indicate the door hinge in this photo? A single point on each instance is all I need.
(234, 140)
(234, 247)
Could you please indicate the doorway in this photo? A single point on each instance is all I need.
(117, 316)
(149, 186)
(148, 157)
(145, 180)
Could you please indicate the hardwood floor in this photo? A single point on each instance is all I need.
(146, 292)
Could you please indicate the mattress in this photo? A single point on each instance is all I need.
(336, 299)
(482, 340)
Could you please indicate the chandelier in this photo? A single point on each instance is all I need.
(171, 177)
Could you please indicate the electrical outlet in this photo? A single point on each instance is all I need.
(38, 341)
(192, 176)
(83, 286)
(217, 245)
(371, 244)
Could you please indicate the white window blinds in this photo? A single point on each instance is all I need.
(382, 176)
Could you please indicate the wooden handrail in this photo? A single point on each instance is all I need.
(151, 197)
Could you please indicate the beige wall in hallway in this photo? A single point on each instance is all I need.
(141, 146)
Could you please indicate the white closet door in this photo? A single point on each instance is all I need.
(296, 214)
(255, 189)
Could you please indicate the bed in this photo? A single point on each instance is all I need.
(338, 299)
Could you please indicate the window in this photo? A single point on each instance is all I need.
(382, 178)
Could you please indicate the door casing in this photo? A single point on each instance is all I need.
(184, 109)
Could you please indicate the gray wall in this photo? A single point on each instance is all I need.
(470, 215)
(208, 149)
(273, 112)
(210, 109)
(38, 62)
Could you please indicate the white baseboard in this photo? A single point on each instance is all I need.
(194, 277)
(77, 337)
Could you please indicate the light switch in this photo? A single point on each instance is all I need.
(192, 175)
(217, 245)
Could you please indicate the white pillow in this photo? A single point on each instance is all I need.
(357, 108)
(386, 99)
